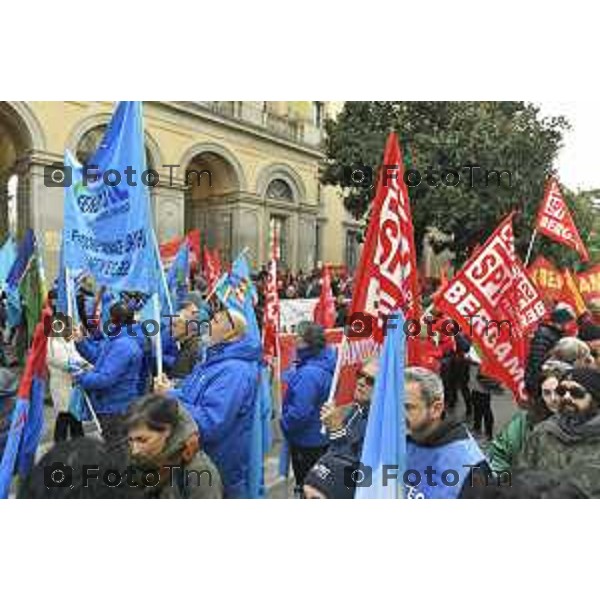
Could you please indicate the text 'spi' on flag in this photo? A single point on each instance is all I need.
(384, 449)
(386, 277)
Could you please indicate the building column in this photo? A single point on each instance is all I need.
(3, 208)
(168, 207)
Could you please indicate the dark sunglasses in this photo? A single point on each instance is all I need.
(577, 393)
(366, 377)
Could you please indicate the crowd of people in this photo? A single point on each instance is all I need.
(195, 419)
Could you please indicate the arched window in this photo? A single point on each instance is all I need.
(91, 140)
(279, 189)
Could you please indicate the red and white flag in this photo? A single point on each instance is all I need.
(271, 324)
(386, 278)
(554, 220)
(324, 313)
(485, 298)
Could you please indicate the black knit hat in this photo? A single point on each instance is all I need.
(330, 474)
(587, 378)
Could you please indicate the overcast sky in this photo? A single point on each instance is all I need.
(578, 162)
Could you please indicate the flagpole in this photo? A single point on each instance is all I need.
(158, 340)
(530, 247)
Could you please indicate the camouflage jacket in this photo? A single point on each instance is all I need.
(572, 449)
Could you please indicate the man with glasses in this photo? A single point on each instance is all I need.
(347, 425)
(569, 442)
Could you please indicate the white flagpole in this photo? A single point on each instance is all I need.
(157, 337)
(530, 247)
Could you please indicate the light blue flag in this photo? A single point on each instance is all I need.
(107, 223)
(237, 291)
(385, 438)
(178, 277)
(8, 255)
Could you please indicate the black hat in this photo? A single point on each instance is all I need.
(588, 378)
(330, 474)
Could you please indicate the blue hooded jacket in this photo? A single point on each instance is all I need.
(220, 394)
(115, 381)
(307, 390)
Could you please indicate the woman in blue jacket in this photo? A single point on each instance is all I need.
(115, 380)
(308, 385)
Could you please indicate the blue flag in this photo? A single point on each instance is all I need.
(236, 291)
(108, 229)
(23, 259)
(385, 438)
(178, 277)
(8, 255)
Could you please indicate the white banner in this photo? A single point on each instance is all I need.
(293, 312)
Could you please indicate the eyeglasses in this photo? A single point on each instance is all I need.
(577, 393)
(369, 379)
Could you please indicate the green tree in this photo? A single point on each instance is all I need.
(496, 136)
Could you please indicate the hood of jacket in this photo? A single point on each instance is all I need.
(449, 430)
(243, 349)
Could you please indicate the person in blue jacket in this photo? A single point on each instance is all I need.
(220, 394)
(114, 381)
(308, 385)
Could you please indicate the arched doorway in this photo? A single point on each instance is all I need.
(212, 186)
(16, 142)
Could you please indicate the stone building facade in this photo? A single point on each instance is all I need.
(263, 159)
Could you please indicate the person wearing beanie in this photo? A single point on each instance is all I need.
(561, 323)
(570, 440)
(332, 477)
(308, 384)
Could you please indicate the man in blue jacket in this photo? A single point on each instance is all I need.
(114, 381)
(308, 385)
(220, 394)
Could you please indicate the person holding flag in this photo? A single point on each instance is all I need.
(114, 381)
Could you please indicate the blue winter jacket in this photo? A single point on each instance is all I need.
(115, 380)
(220, 394)
(307, 390)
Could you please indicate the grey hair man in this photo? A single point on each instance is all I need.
(442, 456)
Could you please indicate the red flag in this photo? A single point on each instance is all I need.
(195, 255)
(530, 305)
(555, 221)
(271, 314)
(212, 267)
(168, 250)
(324, 313)
(386, 277)
(483, 298)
